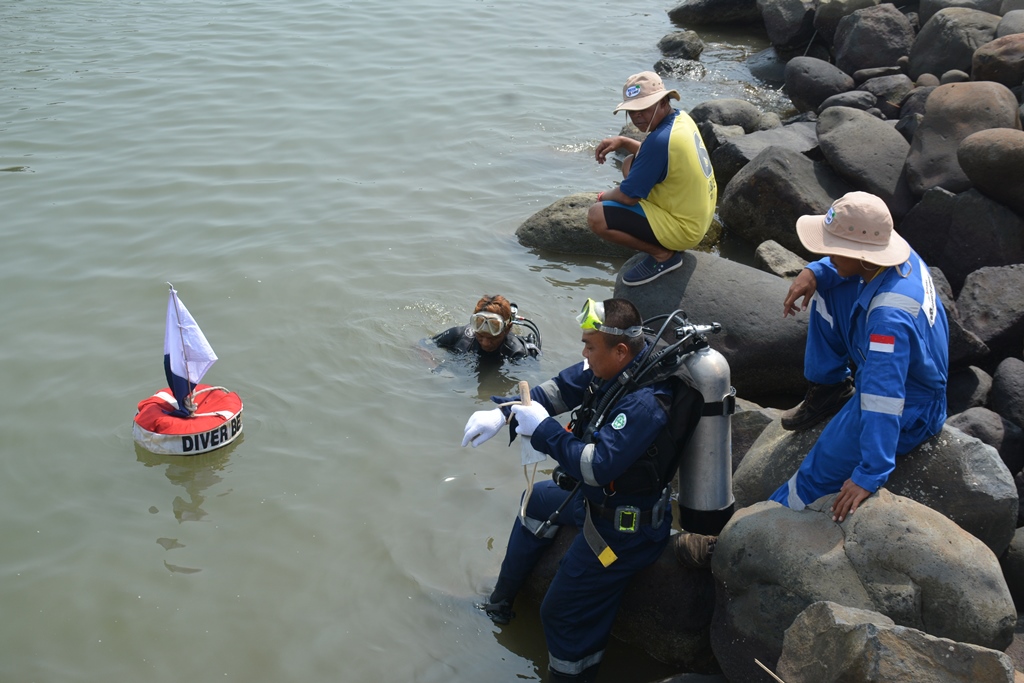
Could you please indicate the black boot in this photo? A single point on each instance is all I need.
(821, 401)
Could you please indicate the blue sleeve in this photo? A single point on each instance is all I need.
(650, 165)
(631, 428)
(825, 273)
(881, 389)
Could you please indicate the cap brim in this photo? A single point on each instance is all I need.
(817, 240)
(646, 101)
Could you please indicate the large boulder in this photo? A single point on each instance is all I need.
(867, 153)
(960, 233)
(666, 609)
(810, 81)
(737, 152)
(872, 37)
(992, 428)
(952, 112)
(710, 12)
(789, 23)
(892, 556)
(562, 228)
(967, 388)
(1007, 396)
(764, 199)
(829, 13)
(947, 41)
(991, 305)
(952, 473)
(1013, 568)
(764, 350)
(890, 91)
(1001, 60)
(828, 643)
(992, 160)
(928, 8)
(728, 111)
(1012, 22)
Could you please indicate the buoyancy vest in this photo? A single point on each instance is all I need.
(655, 468)
(513, 346)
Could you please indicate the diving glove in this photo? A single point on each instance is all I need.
(529, 417)
(482, 425)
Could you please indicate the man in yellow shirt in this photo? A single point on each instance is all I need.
(667, 198)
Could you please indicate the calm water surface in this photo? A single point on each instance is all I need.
(326, 183)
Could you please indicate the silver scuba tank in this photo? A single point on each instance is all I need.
(705, 472)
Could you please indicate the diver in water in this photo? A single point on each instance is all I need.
(489, 332)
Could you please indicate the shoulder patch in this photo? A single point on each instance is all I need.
(619, 422)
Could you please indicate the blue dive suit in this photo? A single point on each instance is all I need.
(894, 331)
(583, 599)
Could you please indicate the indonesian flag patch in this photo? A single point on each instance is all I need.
(882, 343)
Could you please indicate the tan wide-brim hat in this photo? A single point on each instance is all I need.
(858, 225)
(642, 90)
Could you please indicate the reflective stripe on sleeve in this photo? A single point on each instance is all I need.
(822, 309)
(881, 404)
(550, 389)
(587, 465)
(894, 300)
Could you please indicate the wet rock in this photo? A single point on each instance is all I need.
(1001, 60)
(952, 112)
(680, 69)
(928, 8)
(1011, 23)
(893, 556)
(737, 152)
(767, 66)
(728, 111)
(682, 44)
(867, 153)
(809, 82)
(765, 351)
(854, 99)
(991, 305)
(1007, 397)
(993, 160)
(711, 12)
(890, 91)
(967, 388)
(788, 23)
(952, 473)
(562, 227)
(774, 258)
(863, 645)
(1013, 568)
(995, 430)
(715, 136)
(829, 13)
(948, 40)
(871, 38)
(764, 199)
(960, 233)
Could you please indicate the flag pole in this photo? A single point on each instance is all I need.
(189, 403)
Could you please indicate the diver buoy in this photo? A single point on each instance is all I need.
(216, 422)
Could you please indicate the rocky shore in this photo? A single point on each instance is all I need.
(921, 105)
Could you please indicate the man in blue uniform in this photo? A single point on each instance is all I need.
(625, 518)
(666, 200)
(873, 304)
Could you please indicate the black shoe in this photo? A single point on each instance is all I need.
(500, 612)
(821, 401)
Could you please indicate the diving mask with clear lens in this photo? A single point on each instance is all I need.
(487, 323)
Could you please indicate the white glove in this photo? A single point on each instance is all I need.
(482, 425)
(529, 417)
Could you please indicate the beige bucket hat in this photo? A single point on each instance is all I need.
(642, 90)
(857, 225)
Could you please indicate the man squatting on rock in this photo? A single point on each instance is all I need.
(623, 531)
(873, 305)
(667, 197)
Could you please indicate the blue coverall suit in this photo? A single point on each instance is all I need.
(581, 603)
(894, 330)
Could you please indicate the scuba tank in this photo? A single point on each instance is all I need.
(705, 473)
